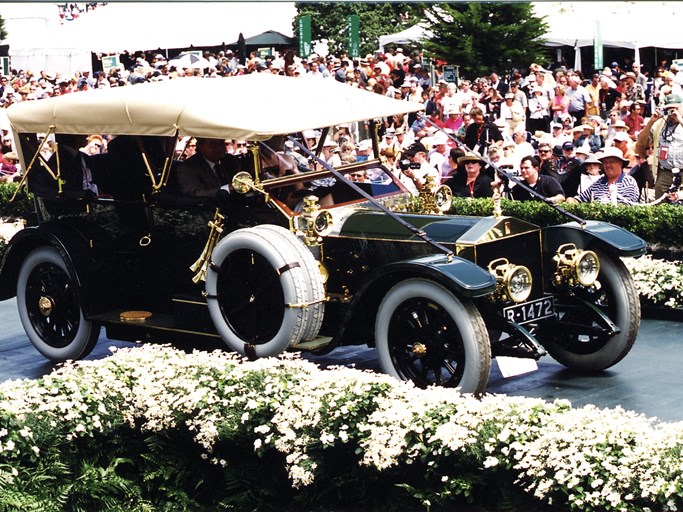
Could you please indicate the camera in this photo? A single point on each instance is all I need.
(676, 180)
(406, 164)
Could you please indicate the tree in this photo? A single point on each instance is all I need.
(3, 30)
(486, 37)
(329, 21)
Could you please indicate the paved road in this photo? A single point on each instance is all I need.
(648, 380)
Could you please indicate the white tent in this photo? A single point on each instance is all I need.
(632, 25)
(39, 40)
(416, 33)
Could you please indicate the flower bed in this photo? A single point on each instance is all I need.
(153, 428)
(659, 282)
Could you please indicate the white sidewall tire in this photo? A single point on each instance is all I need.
(467, 318)
(279, 252)
(87, 333)
(313, 287)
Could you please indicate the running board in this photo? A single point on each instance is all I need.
(314, 344)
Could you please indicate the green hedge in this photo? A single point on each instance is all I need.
(658, 225)
(22, 207)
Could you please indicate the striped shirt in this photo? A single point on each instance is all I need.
(624, 191)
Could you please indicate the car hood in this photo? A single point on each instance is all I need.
(440, 228)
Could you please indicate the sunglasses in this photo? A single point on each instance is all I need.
(544, 151)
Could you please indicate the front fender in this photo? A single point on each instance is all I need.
(608, 237)
(462, 277)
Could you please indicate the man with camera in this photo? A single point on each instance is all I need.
(416, 167)
(664, 132)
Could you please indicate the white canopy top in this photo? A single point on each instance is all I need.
(247, 107)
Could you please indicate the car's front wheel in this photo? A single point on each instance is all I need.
(583, 342)
(427, 335)
(50, 309)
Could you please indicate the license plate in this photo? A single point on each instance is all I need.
(530, 311)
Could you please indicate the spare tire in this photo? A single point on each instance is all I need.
(264, 291)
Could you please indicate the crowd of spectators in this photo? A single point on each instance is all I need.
(533, 124)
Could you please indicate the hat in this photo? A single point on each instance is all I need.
(440, 138)
(619, 123)
(578, 128)
(364, 145)
(613, 153)
(672, 101)
(557, 151)
(25, 90)
(673, 67)
(405, 84)
(630, 74)
(11, 156)
(592, 159)
(621, 137)
(451, 110)
(329, 143)
(556, 125)
(415, 147)
(470, 157)
(567, 146)
(500, 123)
(509, 96)
(309, 134)
(537, 89)
(584, 150)
(400, 130)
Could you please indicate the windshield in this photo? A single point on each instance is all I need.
(288, 176)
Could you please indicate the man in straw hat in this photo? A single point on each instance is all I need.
(664, 133)
(614, 186)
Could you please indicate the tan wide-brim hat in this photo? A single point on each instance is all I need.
(470, 157)
(613, 153)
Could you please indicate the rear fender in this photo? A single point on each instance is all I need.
(71, 244)
(460, 276)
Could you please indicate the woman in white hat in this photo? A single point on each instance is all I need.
(614, 186)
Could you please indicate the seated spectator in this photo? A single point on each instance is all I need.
(614, 186)
(634, 120)
(624, 143)
(473, 183)
(567, 169)
(642, 173)
(591, 170)
(588, 136)
(9, 168)
(546, 186)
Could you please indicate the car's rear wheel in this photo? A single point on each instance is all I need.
(427, 335)
(615, 295)
(264, 291)
(50, 309)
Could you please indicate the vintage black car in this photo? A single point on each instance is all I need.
(292, 258)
